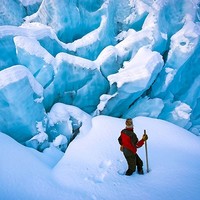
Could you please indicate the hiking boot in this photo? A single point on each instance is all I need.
(140, 171)
(129, 172)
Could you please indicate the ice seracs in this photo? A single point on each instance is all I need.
(131, 81)
(119, 58)
(20, 103)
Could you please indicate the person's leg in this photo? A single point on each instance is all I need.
(131, 160)
(139, 164)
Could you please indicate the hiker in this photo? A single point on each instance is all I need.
(129, 144)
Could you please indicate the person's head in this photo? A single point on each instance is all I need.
(129, 123)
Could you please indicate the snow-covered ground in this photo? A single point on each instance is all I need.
(92, 164)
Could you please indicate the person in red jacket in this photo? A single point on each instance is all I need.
(129, 144)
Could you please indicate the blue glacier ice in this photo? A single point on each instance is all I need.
(14, 11)
(38, 60)
(131, 82)
(64, 124)
(121, 58)
(78, 81)
(20, 103)
(86, 20)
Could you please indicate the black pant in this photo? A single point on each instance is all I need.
(133, 161)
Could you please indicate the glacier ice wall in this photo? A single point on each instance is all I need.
(122, 58)
(20, 103)
(130, 82)
(14, 11)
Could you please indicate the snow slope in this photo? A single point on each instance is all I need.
(91, 165)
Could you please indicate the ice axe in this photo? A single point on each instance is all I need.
(146, 153)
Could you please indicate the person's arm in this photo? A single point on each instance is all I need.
(120, 140)
(141, 142)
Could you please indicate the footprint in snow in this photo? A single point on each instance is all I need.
(103, 171)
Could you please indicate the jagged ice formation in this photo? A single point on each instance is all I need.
(121, 58)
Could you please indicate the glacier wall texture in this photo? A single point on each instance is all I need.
(121, 58)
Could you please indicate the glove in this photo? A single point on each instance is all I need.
(145, 137)
(121, 148)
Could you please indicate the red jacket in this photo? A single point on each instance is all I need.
(128, 139)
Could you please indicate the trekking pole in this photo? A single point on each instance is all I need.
(146, 154)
